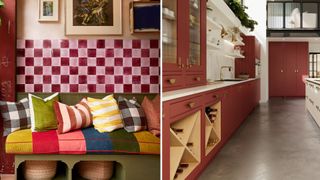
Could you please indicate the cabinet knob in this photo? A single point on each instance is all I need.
(197, 79)
(281, 71)
(172, 81)
(191, 105)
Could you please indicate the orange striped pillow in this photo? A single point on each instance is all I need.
(72, 117)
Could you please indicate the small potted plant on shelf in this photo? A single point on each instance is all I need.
(240, 11)
(1, 5)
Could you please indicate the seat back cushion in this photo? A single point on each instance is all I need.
(15, 115)
(42, 114)
(72, 117)
(133, 116)
(106, 114)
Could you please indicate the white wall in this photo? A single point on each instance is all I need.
(257, 10)
(314, 47)
(216, 60)
(30, 28)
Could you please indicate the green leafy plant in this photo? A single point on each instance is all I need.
(240, 11)
(1, 5)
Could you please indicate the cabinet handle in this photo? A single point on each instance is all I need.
(197, 79)
(191, 105)
(297, 70)
(281, 71)
(9, 26)
(172, 81)
(180, 63)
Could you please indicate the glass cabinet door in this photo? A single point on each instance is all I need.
(169, 34)
(194, 34)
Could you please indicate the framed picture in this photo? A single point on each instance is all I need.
(93, 17)
(48, 10)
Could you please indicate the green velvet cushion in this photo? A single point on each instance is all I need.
(42, 114)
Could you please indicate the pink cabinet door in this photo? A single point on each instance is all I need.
(290, 67)
(7, 70)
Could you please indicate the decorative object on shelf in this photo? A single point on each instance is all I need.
(1, 6)
(145, 16)
(239, 10)
(48, 10)
(94, 17)
(224, 32)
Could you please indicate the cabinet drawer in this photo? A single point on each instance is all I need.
(212, 97)
(172, 82)
(195, 80)
(184, 106)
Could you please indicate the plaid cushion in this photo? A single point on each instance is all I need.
(16, 116)
(133, 115)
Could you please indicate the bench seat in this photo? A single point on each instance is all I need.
(85, 141)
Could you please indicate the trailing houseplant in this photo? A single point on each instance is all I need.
(240, 11)
(1, 5)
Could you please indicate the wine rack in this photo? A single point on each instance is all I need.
(213, 127)
(185, 146)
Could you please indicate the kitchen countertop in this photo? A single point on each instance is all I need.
(314, 80)
(167, 96)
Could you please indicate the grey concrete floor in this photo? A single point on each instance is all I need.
(278, 141)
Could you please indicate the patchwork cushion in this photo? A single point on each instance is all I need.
(133, 116)
(106, 114)
(42, 113)
(152, 115)
(84, 141)
(16, 115)
(72, 117)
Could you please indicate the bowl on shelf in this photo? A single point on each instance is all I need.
(243, 76)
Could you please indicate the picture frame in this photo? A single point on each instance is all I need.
(103, 18)
(48, 10)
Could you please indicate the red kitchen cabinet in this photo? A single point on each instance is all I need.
(184, 45)
(288, 66)
(237, 102)
(7, 71)
(252, 51)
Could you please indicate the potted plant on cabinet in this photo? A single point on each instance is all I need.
(240, 11)
(1, 5)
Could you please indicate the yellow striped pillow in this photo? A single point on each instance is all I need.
(106, 114)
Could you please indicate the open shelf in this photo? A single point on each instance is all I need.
(185, 150)
(213, 24)
(213, 127)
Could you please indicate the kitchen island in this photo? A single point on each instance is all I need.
(313, 98)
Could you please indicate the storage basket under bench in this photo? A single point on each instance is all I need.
(136, 155)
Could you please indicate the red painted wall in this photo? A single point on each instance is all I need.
(7, 70)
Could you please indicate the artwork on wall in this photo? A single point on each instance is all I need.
(48, 10)
(93, 17)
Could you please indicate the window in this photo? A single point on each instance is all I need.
(314, 65)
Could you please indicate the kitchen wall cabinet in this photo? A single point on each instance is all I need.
(252, 51)
(288, 67)
(230, 115)
(184, 45)
(7, 71)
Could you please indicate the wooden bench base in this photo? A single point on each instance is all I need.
(133, 167)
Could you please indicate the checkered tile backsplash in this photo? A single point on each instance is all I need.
(113, 66)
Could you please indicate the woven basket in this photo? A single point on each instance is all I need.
(95, 170)
(36, 170)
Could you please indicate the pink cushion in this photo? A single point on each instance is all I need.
(152, 111)
(72, 117)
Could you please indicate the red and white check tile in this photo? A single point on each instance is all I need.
(102, 66)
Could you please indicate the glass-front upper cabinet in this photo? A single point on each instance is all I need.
(194, 33)
(169, 34)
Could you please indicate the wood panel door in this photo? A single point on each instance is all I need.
(7, 71)
(302, 67)
(276, 69)
(289, 53)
